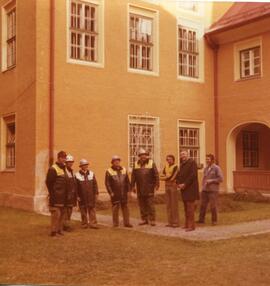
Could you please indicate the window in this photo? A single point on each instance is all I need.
(85, 30)
(143, 46)
(8, 142)
(9, 36)
(143, 133)
(141, 42)
(250, 62)
(189, 140)
(191, 137)
(188, 52)
(250, 149)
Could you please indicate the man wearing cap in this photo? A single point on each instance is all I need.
(87, 194)
(71, 198)
(56, 184)
(118, 185)
(146, 178)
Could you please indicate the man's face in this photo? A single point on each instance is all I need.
(170, 160)
(116, 163)
(143, 157)
(61, 160)
(69, 164)
(208, 161)
(184, 156)
(84, 167)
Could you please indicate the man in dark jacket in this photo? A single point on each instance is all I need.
(71, 198)
(56, 184)
(187, 181)
(118, 185)
(146, 178)
(87, 195)
(212, 177)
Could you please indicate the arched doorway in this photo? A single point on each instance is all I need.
(247, 156)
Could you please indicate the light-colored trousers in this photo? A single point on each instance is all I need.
(172, 198)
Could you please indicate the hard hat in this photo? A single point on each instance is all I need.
(142, 152)
(69, 158)
(115, 157)
(83, 162)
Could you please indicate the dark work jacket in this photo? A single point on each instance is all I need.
(56, 184)
(117, 183)
(146, 177)
(87, 188)
(188, 175)
(71, 199)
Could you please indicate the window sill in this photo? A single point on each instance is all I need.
(143, 72)
(85, 63)
(8, 170)
(191, 79)
(8, 69)
(248, 78)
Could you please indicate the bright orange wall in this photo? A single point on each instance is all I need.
(17, 95)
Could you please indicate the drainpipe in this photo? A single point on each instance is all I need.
(51, 82)
(215, 48)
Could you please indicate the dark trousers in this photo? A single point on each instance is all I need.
(208, 197)
(189, 207)
(115, 213)
(147, 208)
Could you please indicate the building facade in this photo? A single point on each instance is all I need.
(99, 77)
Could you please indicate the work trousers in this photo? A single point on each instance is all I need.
(147, 208)
(88, 215)
(189, 207)
(67, 218)
(57, 218)
(212, 198)
(172, 197)
(115, 213)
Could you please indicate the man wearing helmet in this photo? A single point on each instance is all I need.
(87, 195)
(146, 178)
(118, 185)
(71, 198)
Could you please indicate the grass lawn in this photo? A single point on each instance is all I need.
(118, 257)
(230, 211)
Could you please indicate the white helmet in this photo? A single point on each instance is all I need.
(83, 162)
(69, 158)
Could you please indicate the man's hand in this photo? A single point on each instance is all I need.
(134, 190)
(112, 195)
(181, 186)
(209, 181)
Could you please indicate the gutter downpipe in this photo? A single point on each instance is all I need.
(51, 82)
(215, 48)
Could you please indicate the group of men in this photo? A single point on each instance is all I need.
(67, 189)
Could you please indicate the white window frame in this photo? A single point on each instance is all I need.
(199, 28)
(245, 45)
(251, 59)
(4, 47)
(145, 119)
(100, 62)
(154, 15)
(198, 124)
(10, 118)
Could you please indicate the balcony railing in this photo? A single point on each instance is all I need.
(252, 180)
